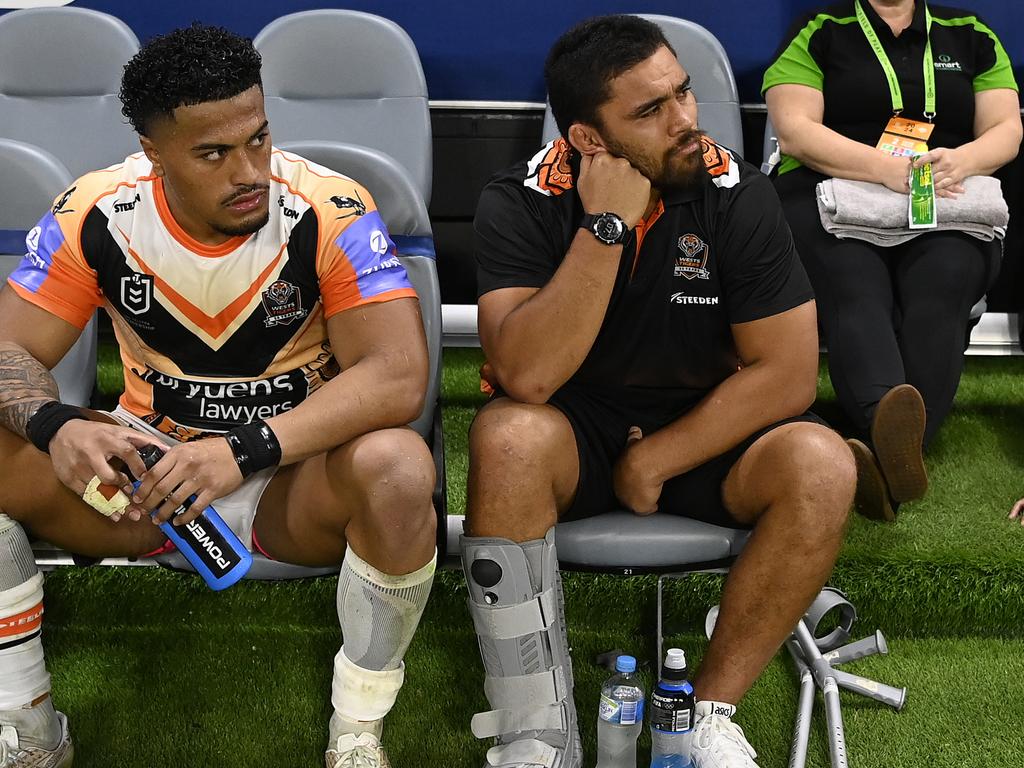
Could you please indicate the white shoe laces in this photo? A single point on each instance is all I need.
(721, 737)
(362, 751)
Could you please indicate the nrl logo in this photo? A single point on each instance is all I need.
(137, 293)
(692, 262)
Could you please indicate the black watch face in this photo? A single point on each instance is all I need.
(609, 228)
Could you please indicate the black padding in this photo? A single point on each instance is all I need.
(486, 573)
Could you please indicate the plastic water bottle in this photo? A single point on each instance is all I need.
(210, 546)
(671, 714)
(621, 716)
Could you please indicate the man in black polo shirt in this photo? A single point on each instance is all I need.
(651, 335)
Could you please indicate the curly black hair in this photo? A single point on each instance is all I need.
(191, 65)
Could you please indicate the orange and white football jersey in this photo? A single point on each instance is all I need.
(212, 337)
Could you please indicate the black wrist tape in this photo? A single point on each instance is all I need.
(255, 447)
(45, 422)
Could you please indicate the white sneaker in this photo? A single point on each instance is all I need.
(362, 751)
(716, 741)
(13, 755)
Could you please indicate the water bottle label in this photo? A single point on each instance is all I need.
(671, 714)
(621, 712)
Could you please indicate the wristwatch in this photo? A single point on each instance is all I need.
(607, 227)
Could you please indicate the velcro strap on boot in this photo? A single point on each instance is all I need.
(499, 722)
(517, 620)
(520, 691)
(525, 752)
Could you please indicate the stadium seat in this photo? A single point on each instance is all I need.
(705, 60)
(30, 179)
(352, 77)
(405, 214)
(60, 72)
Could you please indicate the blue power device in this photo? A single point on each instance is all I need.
(209, 545)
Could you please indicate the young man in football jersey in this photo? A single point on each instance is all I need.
(272, 346)
(650, 335)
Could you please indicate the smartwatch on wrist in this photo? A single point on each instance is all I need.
(607, 227)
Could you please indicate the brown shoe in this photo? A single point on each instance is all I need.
(897, 433)
(872, 498)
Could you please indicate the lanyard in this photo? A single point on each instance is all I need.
(890, 73)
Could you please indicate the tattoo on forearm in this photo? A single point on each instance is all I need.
(25, 385)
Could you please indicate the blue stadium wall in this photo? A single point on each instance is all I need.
(493, 51)
(483, 61)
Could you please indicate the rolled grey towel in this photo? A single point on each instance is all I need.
(872, 212)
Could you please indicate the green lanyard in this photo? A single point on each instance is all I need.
(890, 73)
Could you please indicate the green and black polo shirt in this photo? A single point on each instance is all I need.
(827, 50)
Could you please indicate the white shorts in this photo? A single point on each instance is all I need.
(238, 509)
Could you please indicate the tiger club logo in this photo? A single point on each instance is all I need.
(692, 259)
(283, 302)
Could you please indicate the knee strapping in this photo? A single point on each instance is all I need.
(17, 563)
(379, 612)
(360, 694)
(23, 675)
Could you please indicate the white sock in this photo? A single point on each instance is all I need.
(379, 613)
(35, 726)
(23, 676)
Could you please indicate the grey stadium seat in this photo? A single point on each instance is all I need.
(405, 215)
(30, 179)
(705, 60)
(348, 76)
(60, 72)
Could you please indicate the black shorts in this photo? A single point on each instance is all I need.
(600, 427)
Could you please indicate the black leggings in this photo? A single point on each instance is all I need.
(892, 315)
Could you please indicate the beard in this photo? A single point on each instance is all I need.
(246, 226)
(243, 227)
(673, 170)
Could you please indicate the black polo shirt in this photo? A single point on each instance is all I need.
(719, 255)
(827, 50)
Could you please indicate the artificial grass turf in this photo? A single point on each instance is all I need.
(976, 469)
(156, 670)
(171, 674)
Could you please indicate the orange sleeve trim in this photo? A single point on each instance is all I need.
(63, 311)
(21, 623)
(398, 293)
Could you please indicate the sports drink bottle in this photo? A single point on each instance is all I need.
(671, 714)
(207, 542)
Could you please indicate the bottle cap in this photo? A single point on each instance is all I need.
(674, 667)
(625, 664)
(675, 658)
